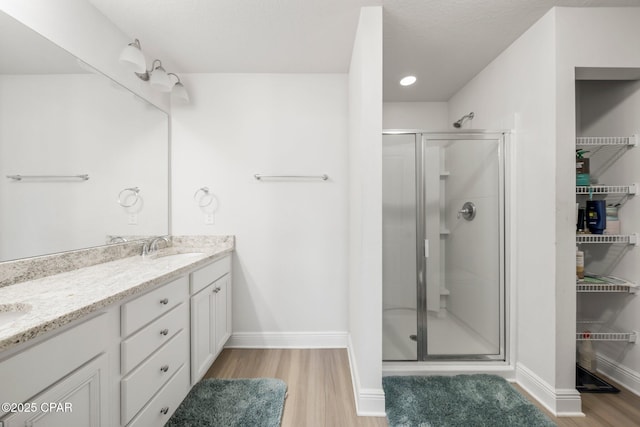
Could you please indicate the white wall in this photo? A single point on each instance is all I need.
(599, 37)
(78, 27)
(517, 91)
(85, 125)
(415, 115)
(290, 264)
(365, 212)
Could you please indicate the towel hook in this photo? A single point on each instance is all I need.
(131, 192)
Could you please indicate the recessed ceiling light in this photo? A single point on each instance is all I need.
(408, 81)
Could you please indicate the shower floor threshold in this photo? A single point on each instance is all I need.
(447, 336)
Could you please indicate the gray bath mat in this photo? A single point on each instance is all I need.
(217, 402)
(458, 401)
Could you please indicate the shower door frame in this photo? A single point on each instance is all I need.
(421, 260)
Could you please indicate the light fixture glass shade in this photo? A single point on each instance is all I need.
(160, 79)
(179, 93)
(134, 58)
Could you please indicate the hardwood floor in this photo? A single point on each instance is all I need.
(320, 392)
(601, 409)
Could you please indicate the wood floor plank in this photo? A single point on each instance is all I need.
(319, 388)
(320, 392)
(600, 409)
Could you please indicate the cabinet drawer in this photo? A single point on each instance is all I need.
(212, 272)
(144, 381)
(147, 340)
(142, 310)
(168, 399)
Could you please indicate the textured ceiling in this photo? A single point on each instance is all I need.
(443, 42)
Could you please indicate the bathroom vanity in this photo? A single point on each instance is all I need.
(114, 344)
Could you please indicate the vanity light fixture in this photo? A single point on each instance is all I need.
(179, 92)
(408, 80)
(157, 77)
(132, 56)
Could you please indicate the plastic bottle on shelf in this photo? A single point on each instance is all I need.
(586, 353)
(579, 264)
(613, 223)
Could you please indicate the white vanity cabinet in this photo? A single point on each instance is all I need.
(155, 354)
(61, 381)
(73, 401)
(130, 364)
(210, 314)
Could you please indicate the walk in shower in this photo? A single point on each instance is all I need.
(443, 246)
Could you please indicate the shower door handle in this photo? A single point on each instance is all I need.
(468, 211)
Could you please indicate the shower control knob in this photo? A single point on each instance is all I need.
(468, 211)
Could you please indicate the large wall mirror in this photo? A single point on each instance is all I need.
(82, 159)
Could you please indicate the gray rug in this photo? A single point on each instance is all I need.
(232, 402)
(461, 400)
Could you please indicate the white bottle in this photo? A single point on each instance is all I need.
(579, 264)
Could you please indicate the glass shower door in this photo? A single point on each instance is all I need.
(461, 297)
(399, 269)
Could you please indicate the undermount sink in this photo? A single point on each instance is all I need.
(9, 313)
(178, 257)
(173, 260)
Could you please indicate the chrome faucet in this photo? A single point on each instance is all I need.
(150, 246)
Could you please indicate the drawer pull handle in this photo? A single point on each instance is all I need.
(165, 368)
(164, 332)
(164, 410)
(216, 290)
(164, 301)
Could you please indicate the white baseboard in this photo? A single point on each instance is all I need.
(369, 402)
(560, 402)
(626, 377)
(288, 340)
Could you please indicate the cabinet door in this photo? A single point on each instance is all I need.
(73, 401)
(223, 312)
(202, 332)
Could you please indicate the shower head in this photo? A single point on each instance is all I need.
(458, 124)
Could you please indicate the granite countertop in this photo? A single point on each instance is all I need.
(54, 301)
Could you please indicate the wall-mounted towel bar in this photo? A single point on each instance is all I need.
(323, 177)
(82, 177)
